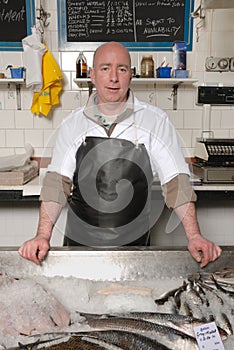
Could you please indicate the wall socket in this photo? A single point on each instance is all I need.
(218, 64)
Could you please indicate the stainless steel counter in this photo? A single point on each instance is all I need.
(112, 264)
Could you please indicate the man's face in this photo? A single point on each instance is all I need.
(111, 73)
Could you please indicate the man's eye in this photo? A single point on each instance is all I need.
(104, 69)
(122, 70)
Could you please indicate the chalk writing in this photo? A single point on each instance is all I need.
(125, 20)
(12, 16)
(13, 21)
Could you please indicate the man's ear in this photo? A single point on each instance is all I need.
(92, 75)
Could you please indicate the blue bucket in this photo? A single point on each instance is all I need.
(17, 73)
(163, 72)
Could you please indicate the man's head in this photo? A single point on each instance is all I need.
(111, 72)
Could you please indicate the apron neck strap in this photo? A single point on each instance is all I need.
(135, 131)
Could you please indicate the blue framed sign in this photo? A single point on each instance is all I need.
(141, 25)
(17, 17)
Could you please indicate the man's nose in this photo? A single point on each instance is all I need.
(114, 75)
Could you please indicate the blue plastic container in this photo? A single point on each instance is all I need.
(17, 73)
(163, 72)
(180, 73)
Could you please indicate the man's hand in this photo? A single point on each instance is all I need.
(203, 250)
(35, 249)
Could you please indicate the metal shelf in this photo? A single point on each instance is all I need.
(84, 82)
(174, 82)
(17, 83)
(163, 81)
(12, 80)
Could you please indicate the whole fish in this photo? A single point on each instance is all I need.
(225, 278)
(177, 295)
(127, 340)
(223, 286)
(181, 323)
(227, 274)
(224, 323)
(198, 294)
(204, 287)
(198, 287)
(73, 343)
(194, 302)
(166, 296)
(165, 335)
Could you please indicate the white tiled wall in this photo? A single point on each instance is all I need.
(215, 219)
(212, 36)
(19, 220)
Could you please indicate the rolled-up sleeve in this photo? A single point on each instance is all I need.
(55, 188)
(178, 191)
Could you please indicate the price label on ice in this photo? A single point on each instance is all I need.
(208, 337)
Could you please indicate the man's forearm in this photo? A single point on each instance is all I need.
(201, 249)
(49, 213)
(188, 217)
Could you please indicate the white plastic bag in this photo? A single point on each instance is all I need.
(8, 163)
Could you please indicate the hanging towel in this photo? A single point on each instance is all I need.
(32, 56)
(48, 96)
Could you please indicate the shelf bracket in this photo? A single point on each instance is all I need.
(174, 95)
(18, 96)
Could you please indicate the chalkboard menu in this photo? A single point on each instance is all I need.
(16, 19)
(138, 24)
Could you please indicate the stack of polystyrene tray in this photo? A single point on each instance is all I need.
(20, 175)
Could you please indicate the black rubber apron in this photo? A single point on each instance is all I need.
(110, 203)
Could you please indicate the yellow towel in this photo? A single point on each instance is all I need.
(48, 96)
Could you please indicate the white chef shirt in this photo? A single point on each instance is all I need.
(147, 124)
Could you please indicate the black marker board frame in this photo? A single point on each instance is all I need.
(16, 21)
(158, 40)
